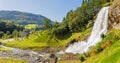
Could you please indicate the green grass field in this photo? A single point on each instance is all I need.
(31, 26)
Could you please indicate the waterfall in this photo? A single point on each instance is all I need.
(100, 27)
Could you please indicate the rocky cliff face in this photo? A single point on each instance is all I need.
(114, 15)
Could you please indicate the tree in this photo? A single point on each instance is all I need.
(47, 24)
(1, 34)
(8, 32)
(15, 34)
(21, 34)
(78, 20)
(6, 36)
(9, 26)
(55, 24)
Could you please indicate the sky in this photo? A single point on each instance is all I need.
(52, 9)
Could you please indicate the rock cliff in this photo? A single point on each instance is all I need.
(114, 15)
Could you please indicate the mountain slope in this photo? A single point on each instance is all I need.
(22, 18)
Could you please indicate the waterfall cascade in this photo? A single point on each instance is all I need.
(100, 27)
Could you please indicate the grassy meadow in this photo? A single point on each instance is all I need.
(41, 39)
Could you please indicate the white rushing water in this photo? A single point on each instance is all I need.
(100, 27)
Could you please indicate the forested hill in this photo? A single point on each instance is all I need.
(22, 18)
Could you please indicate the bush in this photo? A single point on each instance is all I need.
(82, 58)
(102, 36)
(87, 54)
(107, 4)
(90, 24)
(99, 49)
(1, 34)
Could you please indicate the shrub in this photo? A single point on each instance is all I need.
(102, 36)
(81, 57)
(99, 49)
(90, 24)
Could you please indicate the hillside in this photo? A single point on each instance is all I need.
(22, 18)
(110, 49)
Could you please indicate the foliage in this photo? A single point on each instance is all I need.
(55, 24)
(81, 57)
(1, 33)
(80, 19)
(99, 49)
(90, 24)
(107, 4)
(102, 36)
(47, 24)
(9, 26)
(5, 36)
(15, 34)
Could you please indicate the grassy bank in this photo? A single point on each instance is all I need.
(109, 55)
(110, 49)
(5, 49)
(3, 60)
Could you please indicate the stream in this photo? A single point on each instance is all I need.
(26, 55)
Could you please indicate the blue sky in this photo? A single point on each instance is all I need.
(53, 9)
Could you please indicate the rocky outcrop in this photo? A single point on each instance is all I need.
(114, 15)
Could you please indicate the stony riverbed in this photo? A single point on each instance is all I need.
(29, 56)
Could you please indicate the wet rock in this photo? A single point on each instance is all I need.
(69, 56)
(71, 42)
(27, 55)
(40, 59)
(52, 49)
(55, 58)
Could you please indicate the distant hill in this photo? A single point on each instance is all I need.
(22, 18)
